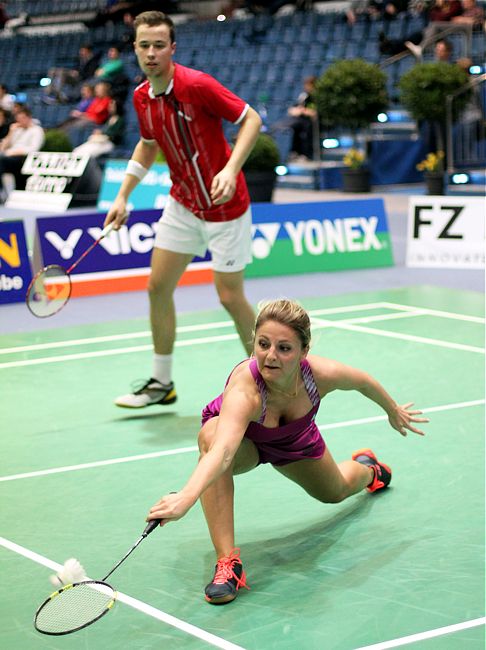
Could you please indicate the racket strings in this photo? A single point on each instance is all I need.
(74, 607)
(49, 291)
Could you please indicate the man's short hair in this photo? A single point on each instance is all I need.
(154, 19)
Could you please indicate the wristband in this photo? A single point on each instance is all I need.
(134, 168)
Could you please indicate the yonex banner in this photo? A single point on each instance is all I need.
(151, 192)
(15, 271)
(121, 261)
(446, 231)
(327, 236)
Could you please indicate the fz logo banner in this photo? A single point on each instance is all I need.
(15, 271)
(446, 231)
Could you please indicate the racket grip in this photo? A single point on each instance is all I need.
(151, 526)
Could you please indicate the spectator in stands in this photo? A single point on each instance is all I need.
(375, 10)
(66, 82)
(443, 51)
(471, 15)
(3, 14)
(301, 118)
(96, 113)
(112, 71)
(104, 140)
(181, 112)
(4, 123)
(111, 66)
(24, 137)
(6, 100)
(441, 12)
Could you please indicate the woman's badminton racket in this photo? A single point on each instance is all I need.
(78, 605)
(51, 287)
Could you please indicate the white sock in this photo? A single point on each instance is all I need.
(162, 368)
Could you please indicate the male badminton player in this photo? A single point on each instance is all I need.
(180, 111)
(266, 415)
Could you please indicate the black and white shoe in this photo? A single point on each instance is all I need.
(150, 393)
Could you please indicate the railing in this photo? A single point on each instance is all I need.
(466, 142)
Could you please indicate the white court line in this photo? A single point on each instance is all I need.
(395, 335)
(430, 634)
(435, 312)
(185, 450)
(197, 632)
(317, 324)
(180, 330)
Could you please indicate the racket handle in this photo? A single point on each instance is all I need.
(107, 230)
(151, 526)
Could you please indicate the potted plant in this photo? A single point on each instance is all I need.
(433, 168)
(350, 95)
(356, 176)
(424, 90)
(259, 168)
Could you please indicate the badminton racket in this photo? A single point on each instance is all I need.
(50, 288)
(80, 604)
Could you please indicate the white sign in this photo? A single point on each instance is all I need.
(446, 232)
(43, 201)
(55, 164)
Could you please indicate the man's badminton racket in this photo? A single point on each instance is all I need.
(78, 605)
(51, 287)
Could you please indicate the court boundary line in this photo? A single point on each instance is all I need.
(345, 324)
(421, 636)
(183, 450)
(135, 603)
(407, 309)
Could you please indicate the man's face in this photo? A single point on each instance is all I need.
(154, 50)
(22, 119)
(441, 52)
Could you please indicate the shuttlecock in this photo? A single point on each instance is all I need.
(72, 571)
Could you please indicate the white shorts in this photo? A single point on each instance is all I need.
(229, 242)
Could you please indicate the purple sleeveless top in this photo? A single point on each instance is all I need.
(286, 443)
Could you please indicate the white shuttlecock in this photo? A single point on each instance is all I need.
(72, 571)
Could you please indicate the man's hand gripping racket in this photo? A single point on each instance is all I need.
(51, 287)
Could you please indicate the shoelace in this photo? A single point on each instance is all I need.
(224, 570)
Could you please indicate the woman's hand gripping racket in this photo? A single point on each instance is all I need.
(51, 287)
(77, 605)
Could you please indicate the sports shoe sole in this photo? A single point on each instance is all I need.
(162, 402)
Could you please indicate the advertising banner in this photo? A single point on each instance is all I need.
(446, 231)
(15, 271)
(151, 192)
(121, 261)
(311, 237)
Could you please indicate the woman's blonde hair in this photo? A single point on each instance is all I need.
(287, 312)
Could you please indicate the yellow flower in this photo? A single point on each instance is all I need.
(354, 158)
(433, 162)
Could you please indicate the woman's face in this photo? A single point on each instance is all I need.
(278, 351)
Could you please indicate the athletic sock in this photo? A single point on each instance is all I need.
(162, 368)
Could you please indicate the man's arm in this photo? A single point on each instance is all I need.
(142, 159)
(223, 186)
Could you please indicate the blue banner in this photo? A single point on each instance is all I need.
(15, 271)
(63, 239)
(151, 192)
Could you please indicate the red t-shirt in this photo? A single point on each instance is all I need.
(186, 123)
(99, 110)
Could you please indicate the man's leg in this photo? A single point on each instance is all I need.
(232, 296)
(166, 270)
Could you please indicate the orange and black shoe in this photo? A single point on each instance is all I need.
(382, 472)
(228, 578)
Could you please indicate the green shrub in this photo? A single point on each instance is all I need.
(56, 140)
(350, 94)
(424, 89)
(265, 155)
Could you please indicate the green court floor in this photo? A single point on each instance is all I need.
(400, 568)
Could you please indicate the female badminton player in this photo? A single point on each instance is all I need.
(266, 415)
